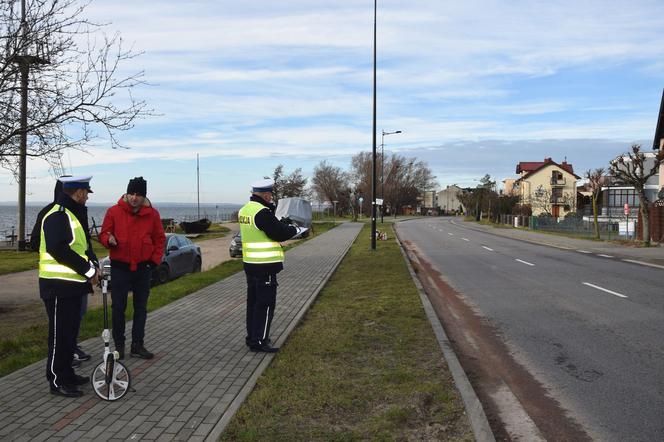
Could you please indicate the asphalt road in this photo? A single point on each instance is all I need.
(588, 328)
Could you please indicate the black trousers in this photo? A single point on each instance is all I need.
(64, 317)
(261, 302)
(139, 283)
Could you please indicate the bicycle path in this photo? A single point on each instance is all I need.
(202, 369)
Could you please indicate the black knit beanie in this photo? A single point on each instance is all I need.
(138, 186)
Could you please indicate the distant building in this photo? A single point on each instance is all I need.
(448, 201)
(428, 203)
(548, 187)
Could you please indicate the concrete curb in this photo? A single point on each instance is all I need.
(221, 425)
(474, 410)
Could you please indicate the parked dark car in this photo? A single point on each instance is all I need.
(235, 248)
(181, 256)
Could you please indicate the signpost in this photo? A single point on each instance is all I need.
(627, 215)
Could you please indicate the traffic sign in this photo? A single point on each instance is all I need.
(379, 201)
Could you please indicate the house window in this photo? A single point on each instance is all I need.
(620, 197)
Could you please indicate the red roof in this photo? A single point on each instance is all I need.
(531, 166)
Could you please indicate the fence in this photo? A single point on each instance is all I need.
(576, 225)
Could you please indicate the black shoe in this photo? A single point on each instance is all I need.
(248, 342)
(265, 348)
(80, 355)
(75, 363)
(66, 391)
(138, 351)
(81, 380)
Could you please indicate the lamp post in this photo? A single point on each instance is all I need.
(382, 170)
(373, 147)
(334, 215)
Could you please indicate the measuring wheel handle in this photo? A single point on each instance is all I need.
(110, 379)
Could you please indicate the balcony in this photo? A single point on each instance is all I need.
(557, 181)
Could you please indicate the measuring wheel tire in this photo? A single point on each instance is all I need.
(117, 388)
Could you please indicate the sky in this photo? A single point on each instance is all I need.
(474, 86)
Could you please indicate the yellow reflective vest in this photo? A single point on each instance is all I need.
(49, 268)
(257, 247)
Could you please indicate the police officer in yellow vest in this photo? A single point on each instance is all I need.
(67, 268)
(263, 258)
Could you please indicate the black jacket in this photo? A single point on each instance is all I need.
(57, 234)
(35, 236)
(275, 230)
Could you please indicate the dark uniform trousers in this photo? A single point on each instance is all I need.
(139, 283)
(64, 317)
(261, 302)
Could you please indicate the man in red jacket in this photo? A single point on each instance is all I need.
(133, 233)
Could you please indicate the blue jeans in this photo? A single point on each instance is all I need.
(139, 283)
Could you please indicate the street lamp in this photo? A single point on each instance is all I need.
(373, 144)
(382, 170)
(334, 215)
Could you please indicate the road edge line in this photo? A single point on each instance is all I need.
(474, 410)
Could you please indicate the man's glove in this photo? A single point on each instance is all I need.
(287, 220)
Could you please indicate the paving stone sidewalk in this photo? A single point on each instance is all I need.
(202, 369)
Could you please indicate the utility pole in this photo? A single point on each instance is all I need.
(373, 151)
(24, 60)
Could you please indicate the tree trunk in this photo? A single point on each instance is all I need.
(595, 216)
(643, 208)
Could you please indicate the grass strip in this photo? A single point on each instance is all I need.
(30, 344)
(364, 364)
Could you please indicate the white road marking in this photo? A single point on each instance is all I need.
(644, 263)
(465, 239)
(604, 256)
(583, 251)
(604, 290)
(451, 234)
(525, 262)
(489, 249)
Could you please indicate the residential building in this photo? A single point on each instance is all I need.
(546, 186)
(616, 194)
(658, 142)
(448, 201)
(508, 187)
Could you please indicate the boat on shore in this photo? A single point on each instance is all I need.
(198, 226)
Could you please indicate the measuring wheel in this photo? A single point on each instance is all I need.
(110, 380)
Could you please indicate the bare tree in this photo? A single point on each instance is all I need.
(295, 185)
(404, 181)
(545, 198)
(631, 169)
(77, 91)
(278, 178)
(329, 183)
(595, 179)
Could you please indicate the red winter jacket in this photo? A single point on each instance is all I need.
(140, 236)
